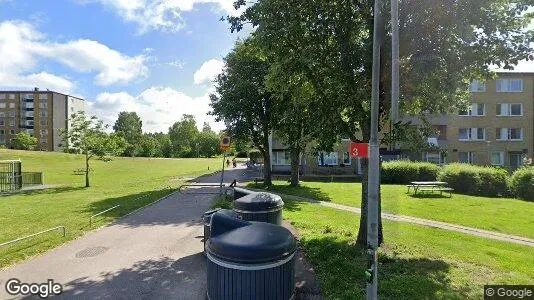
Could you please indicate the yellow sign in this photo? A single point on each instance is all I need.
(224, 145)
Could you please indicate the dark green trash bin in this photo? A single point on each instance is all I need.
(260, 207)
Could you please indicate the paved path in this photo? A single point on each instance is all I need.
(436, 224)
(154, 253)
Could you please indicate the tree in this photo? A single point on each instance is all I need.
(86, 135)
(129, 126)
(242, 101)
(208, 143)
(183, 135)
(163, 145)
(147, 146)
(444, 45)
(24, 141)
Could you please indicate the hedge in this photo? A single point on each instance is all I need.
(475, 180)
(522, 183)
(403, 171)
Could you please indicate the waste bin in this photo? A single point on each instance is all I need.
(207, 219)
(261, 207)
(249, 260)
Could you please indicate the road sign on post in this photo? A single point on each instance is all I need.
(224, 145)
(358, 150)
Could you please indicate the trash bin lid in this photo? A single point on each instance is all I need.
(227, 212)
(258, 202)
(254, 243)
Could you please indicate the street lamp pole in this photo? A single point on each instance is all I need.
(374, 161)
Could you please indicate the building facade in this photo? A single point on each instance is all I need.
(42, 114)
(497, 129)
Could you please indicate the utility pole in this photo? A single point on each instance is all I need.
(374, 162)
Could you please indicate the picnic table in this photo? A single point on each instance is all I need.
(430, 187)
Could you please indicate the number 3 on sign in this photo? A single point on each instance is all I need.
(359, 150)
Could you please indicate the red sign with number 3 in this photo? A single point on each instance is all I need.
(359, 150)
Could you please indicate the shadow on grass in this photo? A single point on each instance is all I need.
(299, 191)
(429, 196)
(44, 191)
(340, 266)
(162, 278)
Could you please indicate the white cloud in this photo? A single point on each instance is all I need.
(22, 47)
(208, 71)
(162, 15)
(158, 107)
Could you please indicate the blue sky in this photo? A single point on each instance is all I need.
(155, 57)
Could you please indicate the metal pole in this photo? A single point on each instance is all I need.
(394, 61)
(373, 180)
(222, 173)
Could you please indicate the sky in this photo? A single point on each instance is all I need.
(155, 57)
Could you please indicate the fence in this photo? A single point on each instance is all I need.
(32, 178)
(10, 175)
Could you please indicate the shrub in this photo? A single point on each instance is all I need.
(403, 171)
(475, 180)
(522, 183)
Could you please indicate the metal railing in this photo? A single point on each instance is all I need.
(204, 185)
(32, 235)
(98, 214)
(32, 178)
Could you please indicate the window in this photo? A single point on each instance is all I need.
(2, 105)
(497, 158)
(43, 123)
(2, 140)
(11, 96)
(43, 113)
(28, 96)
(43, 105)
(471, 134)
(2, 132)
(2, 96)
(476, 109)
(29, 123)
(2, 123)
(12, 114)
(509, 109)
(327, 159)
(12, 131)
(346, 159)
(29, 114)
(11, 105)
(509, 85)
(477, 86)
(29, 104)
(29, 131)
(12, 123)
(515, 134)
(509, 134)
(44, 131)
(432, 157)
(466, 157)
(43, 96)
(2, 114)
(281, 158)
(44, 141)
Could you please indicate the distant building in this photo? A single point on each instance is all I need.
(497, 129)
(42, 114)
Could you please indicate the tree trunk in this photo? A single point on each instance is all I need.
(86, 170)
(362, 231)
(295, 162)
(267, 172)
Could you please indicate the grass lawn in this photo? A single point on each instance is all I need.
(121, 181)
(416, 262)
(503, 215)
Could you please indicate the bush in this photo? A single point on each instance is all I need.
(522, 183)
(241, 154)
(475, 180)
(403, 171)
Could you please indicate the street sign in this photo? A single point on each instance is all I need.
(224, 145)
(359, 150)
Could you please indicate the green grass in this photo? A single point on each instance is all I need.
(505, 215)
(122, 181)
(416, 262)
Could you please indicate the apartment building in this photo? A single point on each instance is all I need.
(42, 114)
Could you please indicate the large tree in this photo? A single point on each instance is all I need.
(130, 127)
(444, 44)
(183, 135)
(242, 100)
(24, 141)
(87, 135)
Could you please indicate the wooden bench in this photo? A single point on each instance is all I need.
(410, 186)
(437, 189)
